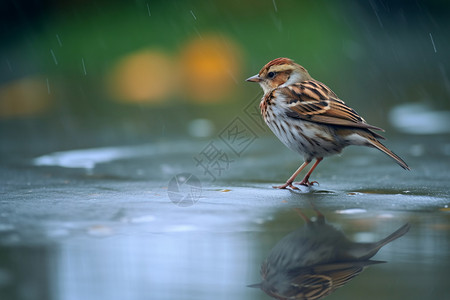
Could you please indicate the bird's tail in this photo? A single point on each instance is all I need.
(393, 236)
(375, 143)
(365, 251)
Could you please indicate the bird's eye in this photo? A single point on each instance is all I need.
(271, 74)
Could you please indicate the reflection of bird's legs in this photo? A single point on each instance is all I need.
(320, 216)
(301, 214)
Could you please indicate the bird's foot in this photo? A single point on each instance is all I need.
(306, 183)
(286, 185)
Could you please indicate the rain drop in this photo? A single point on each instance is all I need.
(54, 57)
(192, 13)
(432, 42)
(148, 9)
(84, 66)
(59, 40)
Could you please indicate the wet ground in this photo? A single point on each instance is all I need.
(150, 222)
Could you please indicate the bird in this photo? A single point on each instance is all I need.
(316, 259)
(309, 118)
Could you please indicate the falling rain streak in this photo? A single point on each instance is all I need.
(375, 10)
(54, 57)
(275, 5)
(84, 66)
(48, 86)
(192, 13)
(148, 9)
(59, 40)
(198, 33)
(432, 42)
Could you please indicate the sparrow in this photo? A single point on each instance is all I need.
(309, 118)
(316, 259)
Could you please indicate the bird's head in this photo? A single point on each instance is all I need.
(280, 72)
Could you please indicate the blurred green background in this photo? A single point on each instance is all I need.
(157, 81)
(89, 73)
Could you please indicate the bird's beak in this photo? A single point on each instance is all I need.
(255, 78)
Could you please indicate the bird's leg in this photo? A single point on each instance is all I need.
(320, 216)
(305, 180)
(292, 178)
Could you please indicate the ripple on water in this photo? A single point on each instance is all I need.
(386, 191)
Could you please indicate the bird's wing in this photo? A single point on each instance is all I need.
(311, 286)
(313, 101)
(340, 273)
(317, 281)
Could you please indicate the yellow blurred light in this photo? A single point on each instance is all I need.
(24, 97)
(144, 76)
(210, 66)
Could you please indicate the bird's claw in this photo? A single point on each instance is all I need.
(286, 185)
(306, 183)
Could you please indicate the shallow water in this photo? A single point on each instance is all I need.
(109, 223)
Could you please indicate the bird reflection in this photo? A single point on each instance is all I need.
(316, 259)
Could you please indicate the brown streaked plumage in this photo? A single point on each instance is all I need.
(309, 118)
